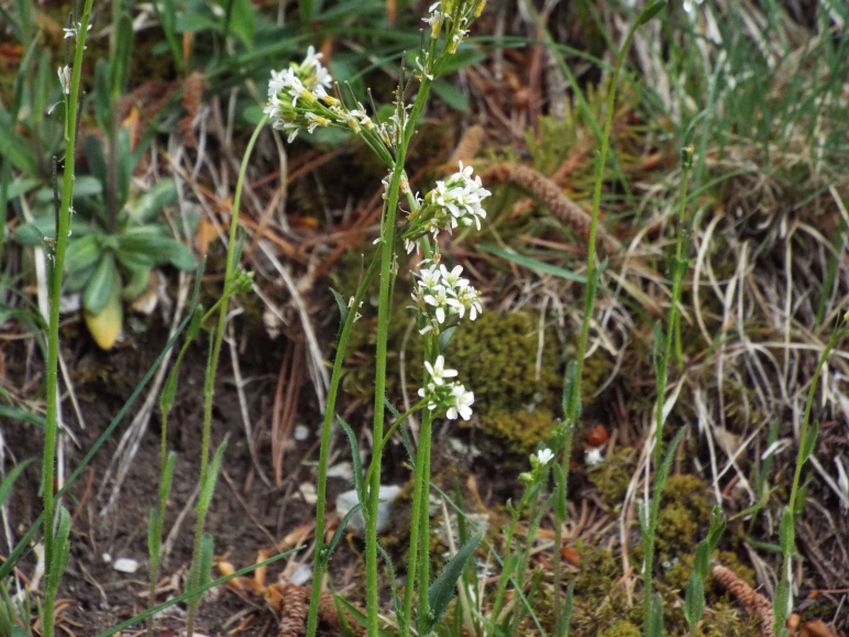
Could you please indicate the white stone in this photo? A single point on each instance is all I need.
(348, 500)
(126, 565)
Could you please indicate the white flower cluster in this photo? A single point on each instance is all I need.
(454, 202)
(449, 396)
(460, 196)
(298, 99)
(442, 294)
(456, 15)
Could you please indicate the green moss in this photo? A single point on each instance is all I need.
(522, 430)
(612, 477)
(621, 628)
(497, 357)
(684, 514)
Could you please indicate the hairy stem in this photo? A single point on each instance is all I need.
(212, 368)
(63, 224)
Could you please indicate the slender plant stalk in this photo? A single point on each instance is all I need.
(212, 368)
(679, 269)
(561, 489)
(387, 276)
(423, 477)
(795, 507)
(63, 225)
(320, 559)
(573, 401)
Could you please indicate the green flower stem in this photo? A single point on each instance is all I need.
(51, 379)
(419, 481)
(212, 368)
(806, 447)
(679, 267)
(423, 480)
(387, 276)
(320, 559)
(574, 399)
(560, 517)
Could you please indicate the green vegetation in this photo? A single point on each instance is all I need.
(540, 223)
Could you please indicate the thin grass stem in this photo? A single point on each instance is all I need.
(63, 224)
(212, 368)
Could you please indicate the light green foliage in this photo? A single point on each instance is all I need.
(116, 239)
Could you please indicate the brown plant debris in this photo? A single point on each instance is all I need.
(549, 194)
(289, 601)
(755, 604)
(193, 87)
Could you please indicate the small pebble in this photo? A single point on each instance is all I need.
(348, 500)
(301, 575)
(126, 565)
(301, 433)
(342, 470)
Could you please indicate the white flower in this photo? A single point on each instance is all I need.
(74, 31)
(440, 301)
(444, 293)
(451, 397)
(456, 201)
(544, 456)
(453, 279)
(64, 73)
(293, 95)
(438, 371)
(461, 404)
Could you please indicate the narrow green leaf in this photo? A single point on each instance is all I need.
(341, 303)
(137, 283)
(9, 480)
(83, 252)
(242, 21)
(195, 324)
(451, 95)
(787, 532)
(340, 531)
(810, 442)
(531, 263)
(119, 63)
(655, 625)
(102, 98)
(167, 478)
(207, 545)
(150, 205)
(178, 254)
(442, 589)
(651, 10)
(356, 463)
(666, 465)
(61, 552)
(102, 285)
(694, 600)
(208, 488)
(154, 541)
